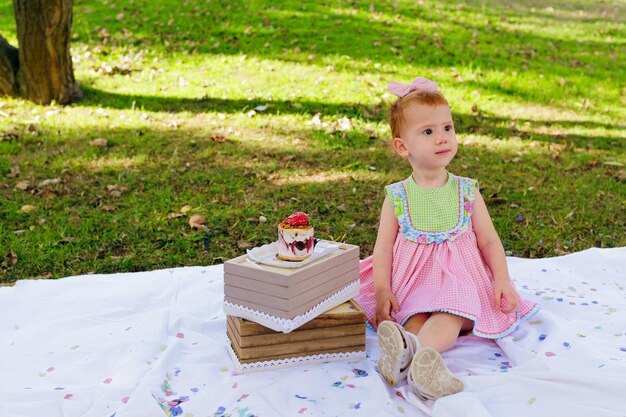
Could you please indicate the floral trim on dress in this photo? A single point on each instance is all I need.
(398, 197)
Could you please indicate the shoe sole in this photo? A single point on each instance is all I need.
(431, 375)
(391, 349)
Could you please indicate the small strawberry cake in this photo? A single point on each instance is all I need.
(295, 238)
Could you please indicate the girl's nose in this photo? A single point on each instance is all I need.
(441, 138)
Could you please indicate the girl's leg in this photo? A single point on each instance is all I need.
(441, 330)
(415, 323)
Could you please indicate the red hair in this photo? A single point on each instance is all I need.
(396, 116)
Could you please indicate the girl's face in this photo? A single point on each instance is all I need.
(428, 140)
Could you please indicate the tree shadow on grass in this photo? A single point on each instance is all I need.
(497, 127)
(96, 97)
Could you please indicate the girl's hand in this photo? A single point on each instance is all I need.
(385, 303)
(504, 288)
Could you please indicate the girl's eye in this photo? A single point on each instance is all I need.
(428, 132)
(448, 128)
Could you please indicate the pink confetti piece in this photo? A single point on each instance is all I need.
(302, 410)
(125, 399)
(67, 396)
(234, 385)
(50, 369)
(107, 381)
(180, 335)
(550, 354)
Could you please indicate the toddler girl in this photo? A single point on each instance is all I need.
(438, 266)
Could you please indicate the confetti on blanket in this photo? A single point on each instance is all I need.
(153, 343)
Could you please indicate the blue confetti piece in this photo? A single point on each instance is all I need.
(544, 270)
(194, 390)
(594, 302)
(559, 300)
(623, 349)
(359, 372)
(584, 304)
(220, 411)
(542, 337)
(300, 397)
(498, 355)
(566, 345)
(337, 384)
(357, 406)
(504, 363)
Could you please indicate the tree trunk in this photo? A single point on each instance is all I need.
(8, 68)
(43, 71)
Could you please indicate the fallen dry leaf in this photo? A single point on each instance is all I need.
(116, 187)
(175, 215)
(22, 185)
(218, 138)
(186, 209)
(10, 258)
(244, 245)
(15, 171)
(51, 181)
(99, 142)
(197, 222)
(109, 208)
(27, 208)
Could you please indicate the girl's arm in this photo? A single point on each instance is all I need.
(383, 258)
(493, 253)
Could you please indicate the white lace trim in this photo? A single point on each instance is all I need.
(284, 325)
(300, 360)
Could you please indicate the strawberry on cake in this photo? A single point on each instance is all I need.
(295, 238)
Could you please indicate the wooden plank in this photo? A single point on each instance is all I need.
(295, 286)
(231, 331)
(281, 313)
(299, 348)
(234, 342)
(312, 335)
(242, 266)
(347, 313)
(358, 348)
(297, 301)
(236, 322)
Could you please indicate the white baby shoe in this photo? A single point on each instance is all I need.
(397, 347)
(430, 377)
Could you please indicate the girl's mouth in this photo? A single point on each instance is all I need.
(442, 152)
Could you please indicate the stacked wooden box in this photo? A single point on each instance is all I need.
(280, 317)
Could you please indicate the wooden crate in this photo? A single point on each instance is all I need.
(339, 330)
(288, 293)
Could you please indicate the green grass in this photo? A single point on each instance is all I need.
(538, 93)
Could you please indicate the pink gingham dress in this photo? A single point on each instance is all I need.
(441, 271)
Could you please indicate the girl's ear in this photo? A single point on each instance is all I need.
(399, 146)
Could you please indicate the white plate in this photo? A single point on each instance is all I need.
(267, 254)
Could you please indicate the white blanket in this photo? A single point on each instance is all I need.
(153, 343)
